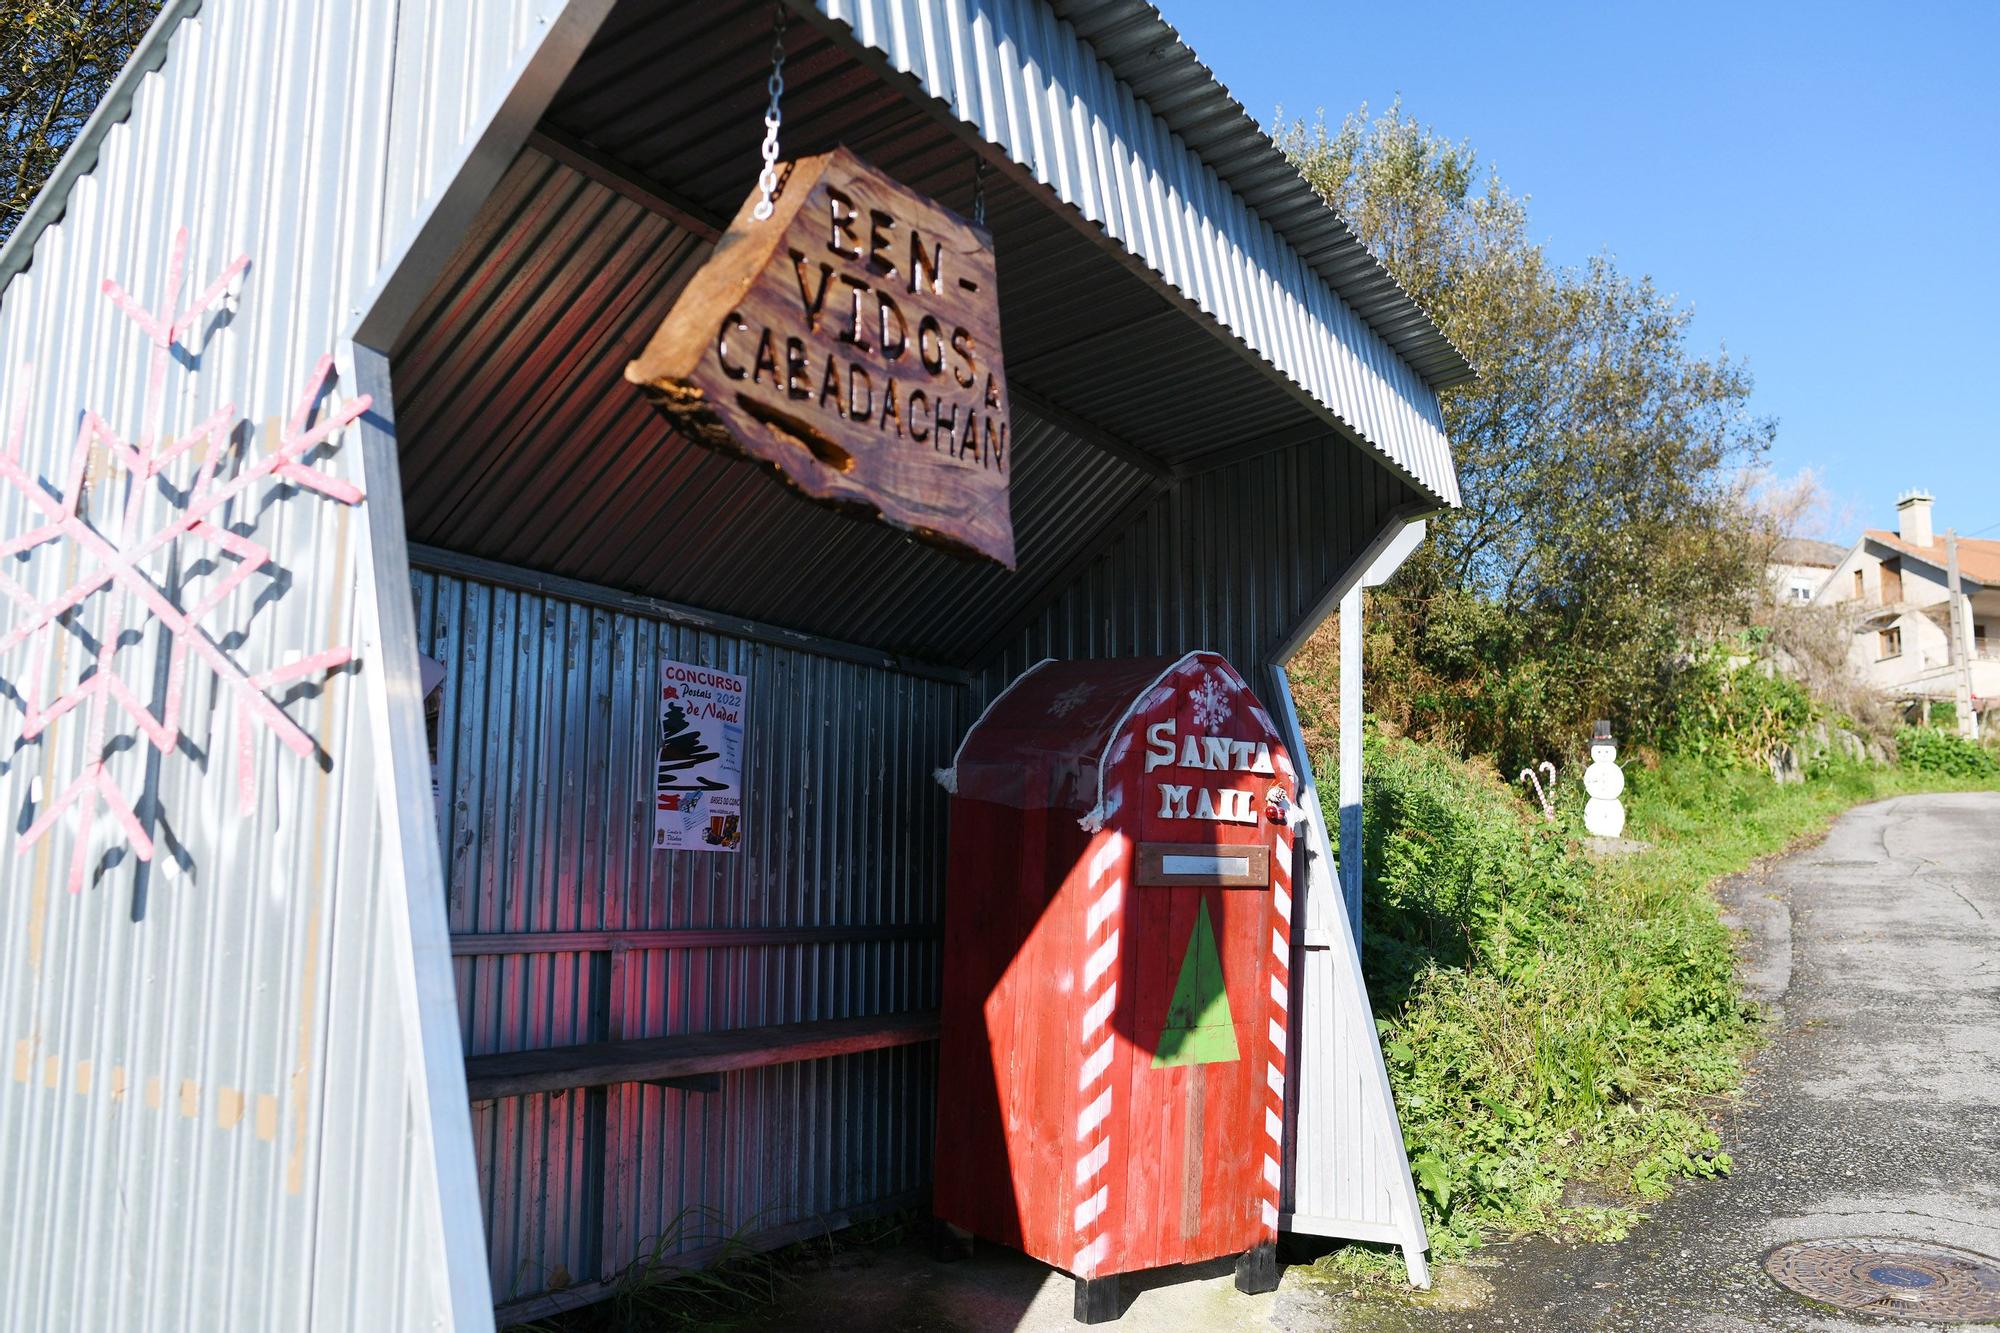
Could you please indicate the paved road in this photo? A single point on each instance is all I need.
(1874, 1111)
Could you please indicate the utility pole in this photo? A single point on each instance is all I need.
(1961, 649)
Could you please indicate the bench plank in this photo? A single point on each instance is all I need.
(602, 1063)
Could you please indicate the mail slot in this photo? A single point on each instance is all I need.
(1116, 983)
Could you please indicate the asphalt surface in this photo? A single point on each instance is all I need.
(1873, 1111)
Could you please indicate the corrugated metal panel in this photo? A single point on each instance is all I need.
(545, 759)
(1025, 80)
(1348, 1175)
(1145, 52)
(205, 1099)
(1231, 560)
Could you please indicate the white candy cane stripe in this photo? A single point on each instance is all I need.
(1100, 961)
(1281, 975)
(1094, 1066)
(1101, 910)
(1093, 1161)
(1105, 859)
(1093, 1115)
(1090, 1256)
(1099, 1012)
(1092, 1208)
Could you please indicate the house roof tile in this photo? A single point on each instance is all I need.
(1978, 558)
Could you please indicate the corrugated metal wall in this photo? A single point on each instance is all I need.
(831, 910)
(206, 1116)
(1231, 560)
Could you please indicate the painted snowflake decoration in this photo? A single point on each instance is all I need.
(1211, 704)
(1068, 701)
(117, 545)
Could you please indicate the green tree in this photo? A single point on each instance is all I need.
(57, 57)
(1602, 463)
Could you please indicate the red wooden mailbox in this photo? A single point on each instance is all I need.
(1117, 949)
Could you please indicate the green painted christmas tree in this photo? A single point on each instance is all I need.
(1198, 1030)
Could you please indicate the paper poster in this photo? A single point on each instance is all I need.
(699, 782)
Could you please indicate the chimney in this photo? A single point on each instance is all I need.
(1913, 517)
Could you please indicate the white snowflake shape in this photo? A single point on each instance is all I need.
(1211, 704)
(1069, 701)
(117, 548)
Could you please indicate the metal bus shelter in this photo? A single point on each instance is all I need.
(320, 1012)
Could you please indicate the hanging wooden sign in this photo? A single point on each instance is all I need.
(852, 341)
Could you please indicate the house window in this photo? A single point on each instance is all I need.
(1979, 640)
(1892, 580)
(1802, 592)
(1858, 590)
(1890, 641)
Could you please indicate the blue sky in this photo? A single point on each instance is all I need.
(1821, 182)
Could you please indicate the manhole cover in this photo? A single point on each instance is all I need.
(1908, 1279)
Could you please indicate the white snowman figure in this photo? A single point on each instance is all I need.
(1604, 813)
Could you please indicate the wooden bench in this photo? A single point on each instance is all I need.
(695, 1061)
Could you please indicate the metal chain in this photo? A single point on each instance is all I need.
(979, 191)
(767, 179)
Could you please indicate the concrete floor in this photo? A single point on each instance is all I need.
(1874, 1111)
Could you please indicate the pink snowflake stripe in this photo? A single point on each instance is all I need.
(116, 554)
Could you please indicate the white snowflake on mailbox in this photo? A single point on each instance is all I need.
(1211, 704)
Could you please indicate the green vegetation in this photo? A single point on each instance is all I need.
(1932, 750)
(1543, 1018)
(1734, 714)
(1607, 519)
(1551, 1020)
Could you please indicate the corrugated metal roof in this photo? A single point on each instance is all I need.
(1043, 106)
(1147, 53)
(680, 103)
(523, 443)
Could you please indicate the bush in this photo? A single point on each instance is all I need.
(1540, 1018)
(1929, 750)
(1736, 710)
